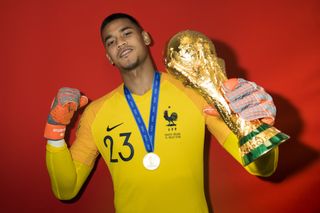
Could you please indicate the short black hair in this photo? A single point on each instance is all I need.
(115, 16)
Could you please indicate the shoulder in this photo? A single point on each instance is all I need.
(95, 105)
(191, 93)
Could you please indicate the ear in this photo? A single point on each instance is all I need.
(146, 38)
(109, 58)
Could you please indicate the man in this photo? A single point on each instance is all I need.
(149, 130)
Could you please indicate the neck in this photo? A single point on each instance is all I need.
(139, 81)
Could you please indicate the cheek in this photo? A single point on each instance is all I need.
(111, 53)
(140, 45)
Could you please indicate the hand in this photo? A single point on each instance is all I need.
(248, 100)
(67, 101)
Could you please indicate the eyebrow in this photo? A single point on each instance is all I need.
(121, 30)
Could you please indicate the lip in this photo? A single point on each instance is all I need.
(124, 52)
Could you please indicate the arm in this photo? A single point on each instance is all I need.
(250, 102)
(263, 166)
(67, 176)
(66, 169)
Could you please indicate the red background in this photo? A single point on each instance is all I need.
(45, 45)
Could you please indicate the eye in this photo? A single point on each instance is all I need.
(110, 42)
(127, 33)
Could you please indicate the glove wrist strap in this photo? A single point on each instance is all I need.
(54, 132)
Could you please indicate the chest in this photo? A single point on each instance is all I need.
(179, 130)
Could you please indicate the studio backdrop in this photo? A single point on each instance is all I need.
(45, 45)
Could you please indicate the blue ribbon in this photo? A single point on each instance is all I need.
(147, 135)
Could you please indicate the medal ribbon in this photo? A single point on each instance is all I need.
(147, 135)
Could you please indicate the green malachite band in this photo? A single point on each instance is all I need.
(255, 132)
(262, 149)
(278, 138)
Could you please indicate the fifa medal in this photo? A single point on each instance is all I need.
(151, 161)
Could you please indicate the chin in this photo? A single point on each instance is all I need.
(130, 67)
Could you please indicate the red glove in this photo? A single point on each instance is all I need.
(248, 100)
(67, 101)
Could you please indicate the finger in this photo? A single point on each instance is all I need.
(212, 111)
(231, 84)
(83, 101)
(62, 114)
(67, 95)
(54, 103)
(250, 99)
(262, 110)
(71, 106)
(269, 121)
(243, 88)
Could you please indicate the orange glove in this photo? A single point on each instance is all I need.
(248, 100)
(67, 101)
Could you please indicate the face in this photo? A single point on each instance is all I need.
(125, 44)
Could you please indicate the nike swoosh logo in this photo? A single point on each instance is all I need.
(111, 128)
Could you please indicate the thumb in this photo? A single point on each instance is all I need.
(268, 120)
(230, 84)
(83, 101)
(210, 110)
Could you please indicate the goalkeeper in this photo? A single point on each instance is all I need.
(149, 130)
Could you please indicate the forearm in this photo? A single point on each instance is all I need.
(67, 176)
(263, 166)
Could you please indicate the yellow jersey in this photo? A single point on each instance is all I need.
(109, 128)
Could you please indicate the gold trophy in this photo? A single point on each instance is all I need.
(190, 56)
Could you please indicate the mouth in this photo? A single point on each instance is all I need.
(124, 52)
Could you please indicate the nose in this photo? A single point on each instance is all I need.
(121, 42)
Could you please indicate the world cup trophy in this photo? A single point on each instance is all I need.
(190, 56)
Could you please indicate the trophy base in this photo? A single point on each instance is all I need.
(260, 141)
